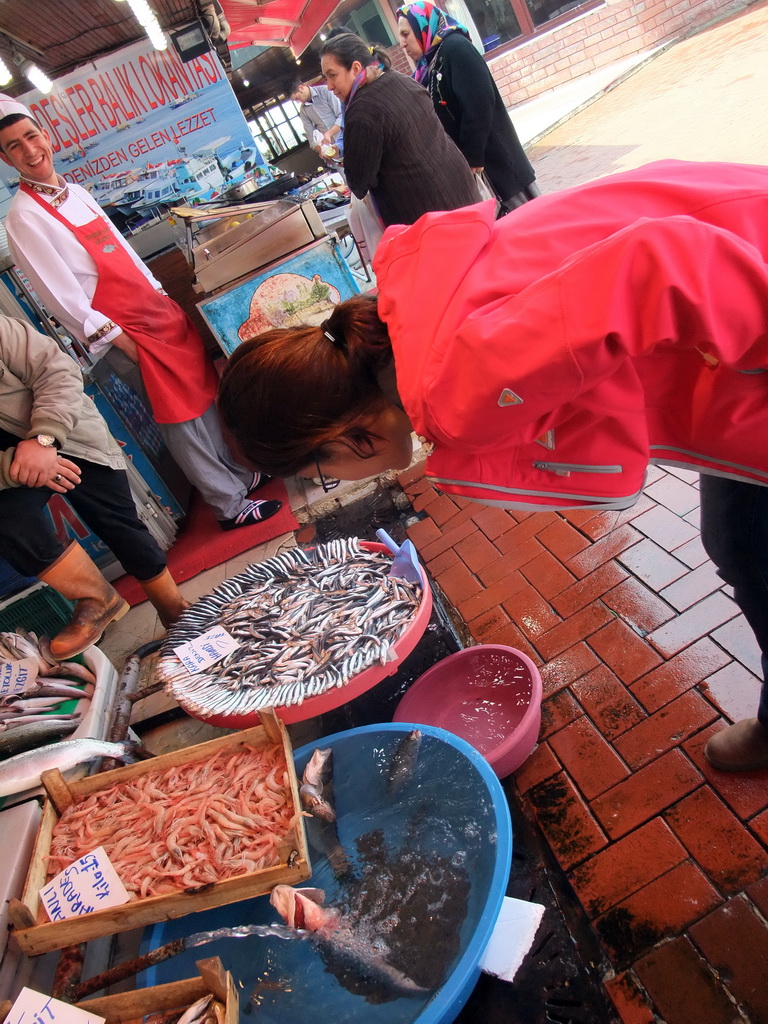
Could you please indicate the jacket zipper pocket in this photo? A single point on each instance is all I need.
(566, 468)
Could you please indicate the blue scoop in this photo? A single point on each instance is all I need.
(405, 564)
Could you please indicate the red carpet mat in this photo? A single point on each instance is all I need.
(202, 543)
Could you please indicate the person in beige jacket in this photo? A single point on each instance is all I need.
(53, 440)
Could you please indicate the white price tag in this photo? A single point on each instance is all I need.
(33, 1007)
(89, 884)
(16, 676)
(204, 651)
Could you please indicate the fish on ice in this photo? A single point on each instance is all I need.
(25, 735)
(15, 646)
(197, 1011)
(22, 771)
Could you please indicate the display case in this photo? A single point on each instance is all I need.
(301, 288)
(224, 246)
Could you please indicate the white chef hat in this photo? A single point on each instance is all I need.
(8, 106)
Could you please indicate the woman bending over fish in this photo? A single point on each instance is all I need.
(547, 357)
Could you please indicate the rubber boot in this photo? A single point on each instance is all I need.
(75, 576)
(742, 747)
(165, 596)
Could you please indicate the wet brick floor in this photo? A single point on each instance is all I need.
(643, 656)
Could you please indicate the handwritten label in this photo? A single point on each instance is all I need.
(89, 884)
(205, 650)
(16, 676)
(33, 1007)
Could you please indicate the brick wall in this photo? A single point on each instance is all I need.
(611, 32)
(399, 60)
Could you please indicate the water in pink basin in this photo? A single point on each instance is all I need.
(490, 695)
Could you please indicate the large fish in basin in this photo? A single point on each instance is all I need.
(341, 945)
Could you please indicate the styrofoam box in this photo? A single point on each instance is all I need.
(18, 826)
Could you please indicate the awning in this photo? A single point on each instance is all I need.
(290, 23)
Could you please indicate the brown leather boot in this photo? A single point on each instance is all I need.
(742, 747)
(75, 576)
(165, 596)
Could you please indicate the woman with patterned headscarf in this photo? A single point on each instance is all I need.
(466, 100)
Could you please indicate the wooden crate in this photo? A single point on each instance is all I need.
(133, 1006)
(36, 934)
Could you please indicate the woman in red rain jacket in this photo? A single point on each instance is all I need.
(549, 357)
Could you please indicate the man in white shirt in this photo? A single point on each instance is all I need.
(92, 281)
(319, 111)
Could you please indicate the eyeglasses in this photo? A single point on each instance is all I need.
(326, 482)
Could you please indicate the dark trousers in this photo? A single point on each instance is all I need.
(734, 532)
(103, 501)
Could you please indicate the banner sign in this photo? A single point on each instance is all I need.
(143, 131)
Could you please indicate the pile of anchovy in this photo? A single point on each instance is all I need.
(306, 621)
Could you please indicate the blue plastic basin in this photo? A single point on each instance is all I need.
(453, 807)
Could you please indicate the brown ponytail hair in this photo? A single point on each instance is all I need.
(347, 48)
(289, 392)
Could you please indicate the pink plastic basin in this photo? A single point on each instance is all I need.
(490, 695)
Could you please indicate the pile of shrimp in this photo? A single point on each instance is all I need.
(184, 826)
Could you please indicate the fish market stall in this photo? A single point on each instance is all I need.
(312, 630)
(209, 824)
(407, 885)
(262, 265)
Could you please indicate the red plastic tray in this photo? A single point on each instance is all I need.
(339, 695)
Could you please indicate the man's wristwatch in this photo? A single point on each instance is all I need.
(46, 440)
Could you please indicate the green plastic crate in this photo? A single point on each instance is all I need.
(40, 609)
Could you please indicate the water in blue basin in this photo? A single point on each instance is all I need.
(421, 879)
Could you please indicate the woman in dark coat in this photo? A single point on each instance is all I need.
(394, 145)
(466, 99)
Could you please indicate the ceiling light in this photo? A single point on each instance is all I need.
(33, 74)
(5, 73)
(246, 82)
(148, 21)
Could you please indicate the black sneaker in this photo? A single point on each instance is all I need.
(253, 512)
(259, 480)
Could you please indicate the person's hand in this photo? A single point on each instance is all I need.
(36, 466)
(66, 477)
(477, 170)
(328, 137)
(126, 344)
(317, 149)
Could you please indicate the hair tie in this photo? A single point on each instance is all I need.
(370, 50)
(336, 342)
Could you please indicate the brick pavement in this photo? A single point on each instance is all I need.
(702, 99)
(643, 655)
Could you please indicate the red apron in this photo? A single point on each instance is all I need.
(178, 375)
